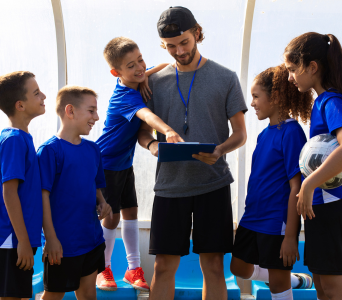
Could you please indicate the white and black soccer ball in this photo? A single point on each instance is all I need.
(314, 153)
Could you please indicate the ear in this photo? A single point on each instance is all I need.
(313, 67)
(115, 73)
(197, 34)
(19, 105)
(69, 111)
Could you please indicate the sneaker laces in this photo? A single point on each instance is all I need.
(139, 274)
(108, 274)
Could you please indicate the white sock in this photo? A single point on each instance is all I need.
(130, 236)
(109, 236)
(287, 295)
(259, 274)
(294, 281)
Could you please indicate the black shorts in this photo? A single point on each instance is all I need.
(172, 218)
(323, 239)
(14, 282)
(66, 276)
(120, 189)
(259, 248)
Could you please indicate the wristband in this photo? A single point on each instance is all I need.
(149, 144)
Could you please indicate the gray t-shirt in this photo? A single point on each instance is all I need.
(215, 97)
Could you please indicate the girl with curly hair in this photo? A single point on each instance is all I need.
(314, 61)
(266, 241)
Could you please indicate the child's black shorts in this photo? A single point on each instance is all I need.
(66, 276)
(211, 215)
(259, 248)
(323, 239)
(14, 282)
(120, 189)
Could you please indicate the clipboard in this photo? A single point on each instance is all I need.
(182, 151)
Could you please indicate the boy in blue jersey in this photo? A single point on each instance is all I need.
(117, 143)
(266, 241)
(20, 192)
(72, 175)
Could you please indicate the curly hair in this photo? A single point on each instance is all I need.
(290, 101)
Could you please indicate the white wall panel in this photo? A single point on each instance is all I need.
(89, 25)
(28, 43)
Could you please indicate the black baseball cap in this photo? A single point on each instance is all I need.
(178, 15)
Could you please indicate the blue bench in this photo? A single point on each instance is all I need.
(189, 279)
(119, 266)
(261, 292)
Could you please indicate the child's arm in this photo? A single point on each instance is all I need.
(102, 206)
(329, 168)
(145, 90)
(155, 122)
(289, 247)
(11, 198)
(53, 248)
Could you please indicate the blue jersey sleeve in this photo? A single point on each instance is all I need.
(130, 104)
(48, 166)
(293, 142)
(100, 176)
(333, 113)
(13, 153)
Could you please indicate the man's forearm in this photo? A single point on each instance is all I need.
(235, 141)
(144, 137)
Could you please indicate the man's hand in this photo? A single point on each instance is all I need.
(25, 255)
(173, 137)
(53, 251)
(104, 209)
(209, 158)
(154, 148)
(289, 251)
(145, 90)
(304, 204)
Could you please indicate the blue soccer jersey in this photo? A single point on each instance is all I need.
(120, 134)
(19, 160)
(72, 173)
(275, 161)
(326, 117)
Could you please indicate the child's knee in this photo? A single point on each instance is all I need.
(52, 296)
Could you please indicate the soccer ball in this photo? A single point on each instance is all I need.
(314, 153)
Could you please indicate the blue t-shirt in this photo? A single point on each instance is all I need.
(326, 117)
(19, 160)
(275, 161)
(120, 134)
(72, 173)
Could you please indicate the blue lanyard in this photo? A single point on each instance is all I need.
(185, 127)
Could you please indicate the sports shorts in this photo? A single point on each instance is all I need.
(14, 282)
(66, 276)
(259, 248)
(211, 217)
(323, 239)
(120, 189)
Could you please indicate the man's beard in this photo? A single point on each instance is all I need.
(191, 57)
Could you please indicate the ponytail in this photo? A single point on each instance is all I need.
(325, 50)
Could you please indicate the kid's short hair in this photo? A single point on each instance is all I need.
(12, 89)
(71, 94)
(116, 50)
(274, 81)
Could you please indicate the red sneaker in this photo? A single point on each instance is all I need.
(136, 278)
(105, 280)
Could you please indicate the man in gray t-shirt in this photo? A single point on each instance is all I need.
(193, 190)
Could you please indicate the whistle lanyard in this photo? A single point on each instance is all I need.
(186, 104)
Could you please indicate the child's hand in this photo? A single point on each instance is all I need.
(25, 255)
(53, 251)
(173, 137)
(289, 251)
(145, 90)
(304, 204)
(104, 209)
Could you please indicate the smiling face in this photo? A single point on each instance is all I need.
(261, 103)
(85, 114)
(182, 48)
(302, 79)
(132, 69)
(34, 105)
